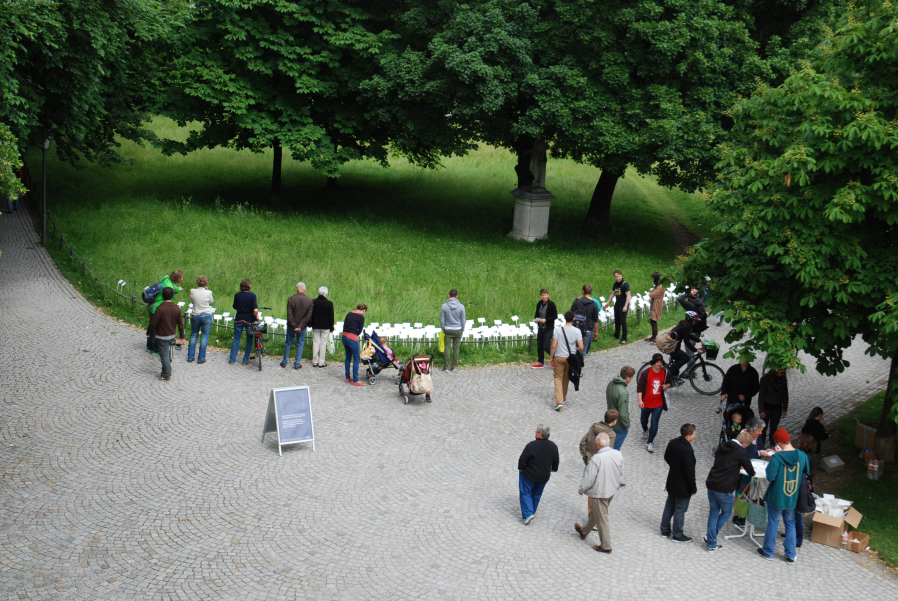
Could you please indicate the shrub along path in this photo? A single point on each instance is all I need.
(119, 486)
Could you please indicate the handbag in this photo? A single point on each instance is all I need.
(741, 507)
(757, 516)
(805, 495)
(421, 384)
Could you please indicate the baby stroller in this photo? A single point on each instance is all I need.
(415, 376)
(376, 357)
(728, 411)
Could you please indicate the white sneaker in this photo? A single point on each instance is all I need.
(650, 448)
(529, 519)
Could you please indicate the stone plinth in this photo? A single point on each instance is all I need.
(531, 213)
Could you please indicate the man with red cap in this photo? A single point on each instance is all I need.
(784, 475)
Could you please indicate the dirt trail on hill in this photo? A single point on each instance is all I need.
(682, 237)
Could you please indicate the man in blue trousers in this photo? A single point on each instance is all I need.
(536, 464)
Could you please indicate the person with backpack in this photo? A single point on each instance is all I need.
(620, 296)
(586, 317)
(784, 473)
(571, 342)
(169, 281)
(545, 317)
(672, 343)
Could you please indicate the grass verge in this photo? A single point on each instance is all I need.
(396, 239)
(874, 499)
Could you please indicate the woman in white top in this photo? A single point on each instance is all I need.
(201, 320)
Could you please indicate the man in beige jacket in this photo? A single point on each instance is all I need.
(601, 481)
(588, 442)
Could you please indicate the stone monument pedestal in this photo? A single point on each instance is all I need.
(531, 213)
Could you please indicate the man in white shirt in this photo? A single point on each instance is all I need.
(566, 342)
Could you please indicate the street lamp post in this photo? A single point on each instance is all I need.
(45, 148)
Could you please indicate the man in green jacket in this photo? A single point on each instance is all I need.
(784, 475)
(172, 282)
(619, 400)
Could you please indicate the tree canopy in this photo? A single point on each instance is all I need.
(805, 252)
(81, 70)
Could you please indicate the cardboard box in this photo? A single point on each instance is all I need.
(863, 541)
(865, 435)
(831, 464)
(828, 530)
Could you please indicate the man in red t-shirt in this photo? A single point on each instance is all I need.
(650, 393)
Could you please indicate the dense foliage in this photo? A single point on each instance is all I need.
(806, 250)
(81, 70)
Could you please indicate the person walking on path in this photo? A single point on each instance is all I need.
(620, 296)
(680, 485)
(784, 476)
(740, 384)
(571, 339)
(200, 319)
(169, 281)
(545, 317)
(773, 401)
(299, 314)
(656, 295)
(722, 482)
(618, 399)
(535, 467)
(452, 322)
(650, 393)
(585, 307)
(166, 319)
(322, 327)
(353, 325)
(247, 312)
(588, 442)
(600, 482)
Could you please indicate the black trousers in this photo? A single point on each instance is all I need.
(620, 322)
(678, 359)
(543, 344)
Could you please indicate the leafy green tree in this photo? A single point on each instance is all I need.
(806, 250)
(9, 163)
(81, 70)
(279, 74)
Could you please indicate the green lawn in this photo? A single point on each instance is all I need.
(874, 499)
(396, 239)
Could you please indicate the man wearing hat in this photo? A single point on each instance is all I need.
(650, 391)
(784, 475)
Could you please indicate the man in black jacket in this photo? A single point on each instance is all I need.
(680, 483)
(322, 323)
(545, 317)
(722, 482)
(536, 464)
(740, 384)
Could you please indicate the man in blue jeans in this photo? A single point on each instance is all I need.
(299, 314)
(650, 390)
(535, 467)
(784, 475)
(722, 482)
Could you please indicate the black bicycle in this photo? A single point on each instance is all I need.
(257, 329)
(705, 377)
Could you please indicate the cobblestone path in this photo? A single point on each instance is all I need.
(119, 486)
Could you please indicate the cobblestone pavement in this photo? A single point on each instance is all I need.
(119, 486)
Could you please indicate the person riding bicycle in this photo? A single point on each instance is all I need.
(683, 332)
(690, 301)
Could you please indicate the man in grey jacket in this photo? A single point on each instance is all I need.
(452, 322)
(601, 481)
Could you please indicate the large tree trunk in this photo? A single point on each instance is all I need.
(600, 205)
(885, 434)
(276, 173)
(522, 147)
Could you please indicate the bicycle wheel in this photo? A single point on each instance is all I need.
(642, 369)
(706, 378)
(260, 350)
